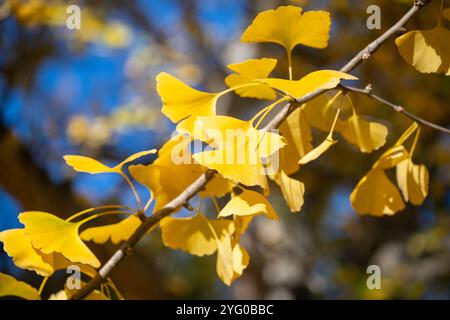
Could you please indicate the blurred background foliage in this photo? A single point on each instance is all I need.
(92, 92)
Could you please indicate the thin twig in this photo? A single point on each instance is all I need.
(368, 92)
(199, 184)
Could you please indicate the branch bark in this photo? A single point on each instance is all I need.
(367, 91)
(199, 184)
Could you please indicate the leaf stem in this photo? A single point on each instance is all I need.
(416, 138)
(289, 56)
(112, 206)
(216, 204)
(138, 200)
(41, 287)
(99, 215)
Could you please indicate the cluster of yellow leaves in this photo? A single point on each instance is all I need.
(48, 243)
(376, 195)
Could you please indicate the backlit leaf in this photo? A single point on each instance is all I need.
(247, 72)
(317, 80)
(116, 232)
(194, 234)
(89, 165)
(288, 27)
(49, 234)
(293, 191)
(295, 129)
(376, 195)
(412, 179)
(366, 135)
(426, 50)
(248, 203)
(18, 246)
(181, 101)
(12, 287)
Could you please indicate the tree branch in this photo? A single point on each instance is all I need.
(199, 184)
(367, 91)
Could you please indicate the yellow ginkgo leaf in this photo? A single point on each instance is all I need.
(321, 111)
(426, 50)
(248, 203)
(89, 165)
(246, 170)
(18, 246)
(317, 151)
(239, 159)
(288, 27)
(175, 160)
(12, 287)
(412, 179)
(376, 195)
(247, 72)
(181, 101)
(366, 135)
(225, 262)
(241, 260)
(116, 232)
(317, 80)
(295, 129)
(241, 224)
(293, 191)
(49, 234)
(391, 157)
(321, 148)
(196, 235)
(217, 131)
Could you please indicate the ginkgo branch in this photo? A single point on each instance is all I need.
(199, 184)
(367, 91)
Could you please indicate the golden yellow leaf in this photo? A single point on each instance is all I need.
(246, 170)
(247, 72)
(241, 260)
(321, 111)
(18, 246)
(248, 203)
(288, 27)
(426, 50)
(89, 165)
(412, 179)
(175, 160)
(376, 195)
(321, 148)
(218, 131)
(49, 234)
(391, 157)
(225, 262)
(295, 129)
(317, 80)
(293, 191)
(181, 101)
(366, 135)
(241, 149)
(241, 224)
(12, 287)
(116, 232)
(196, 235)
